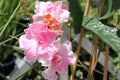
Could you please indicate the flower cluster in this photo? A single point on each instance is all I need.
(41, 40)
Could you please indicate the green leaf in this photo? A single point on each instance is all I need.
(116, 19)
(77, 14)
(109, 3)
(11, 17)
(109, 35)
(109, 12)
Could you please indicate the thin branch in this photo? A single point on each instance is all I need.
(106, 63)
(101, 7)
(93, 59)
(79, 43)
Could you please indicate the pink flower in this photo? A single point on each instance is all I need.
(63, 58)
(46, 54)
(30, 47)
(40, 33)
(56, 9)
(50, 21)
(60, 61)
(41, 39)
(37, 41)
(35, 30)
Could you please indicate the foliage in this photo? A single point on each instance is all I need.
(11, 26)
(7, 18)
(77, 14)
(108, 34)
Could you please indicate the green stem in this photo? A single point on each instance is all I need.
(35, 69)
(82, 65)
(9, 39)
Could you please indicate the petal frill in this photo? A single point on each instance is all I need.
(49, 74)
(30, 47)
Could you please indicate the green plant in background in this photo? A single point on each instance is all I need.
(11, 26)
(107, 34)
(11, 12)
(7, 26)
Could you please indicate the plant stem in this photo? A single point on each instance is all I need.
(106, 63)
(78, 47)
(69, 38)
(101, 7)
(94, 56)
(82, 65)
(106, 59)
(107, 47)
(93, 59)
(3, 42)
(69, 33)
(73, 68)
(87, 8)
(35, 69)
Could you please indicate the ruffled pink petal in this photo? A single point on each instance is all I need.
(46, 54)
(36, 29)
(28, 33)
(40, 7)
(63, 58)
(30, 47)
(51, 36)
(38, 17)
(49, 74)
(64, 17)
(56, 9)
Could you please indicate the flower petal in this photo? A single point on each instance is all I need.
(30, 47)
(49, 74)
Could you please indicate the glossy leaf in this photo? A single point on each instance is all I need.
(109, 35)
